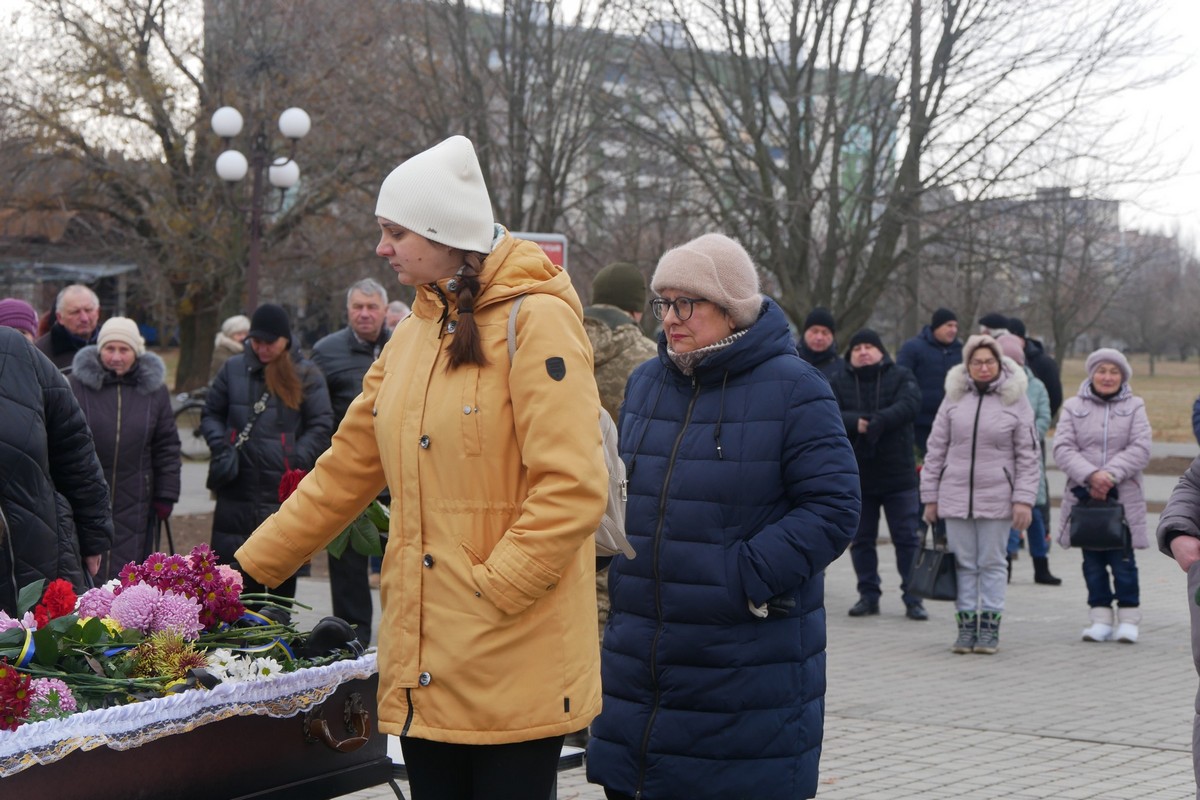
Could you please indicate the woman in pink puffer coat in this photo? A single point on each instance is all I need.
(1103, 442)
(981, 476)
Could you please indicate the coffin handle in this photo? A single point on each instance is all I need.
(356, 718)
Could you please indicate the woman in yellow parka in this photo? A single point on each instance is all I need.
(497, 480)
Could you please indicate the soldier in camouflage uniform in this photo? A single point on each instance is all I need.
(618, 344)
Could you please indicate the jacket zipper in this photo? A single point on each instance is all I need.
(662, 507)
(112, 490)
(1104, 451)
(409, 717)
(6, 534)
(974, 446)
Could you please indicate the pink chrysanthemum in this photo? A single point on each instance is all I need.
(51, 698)
(96, 602)
(178, 613)
(134, 607)
(27, 622)
(232, 577)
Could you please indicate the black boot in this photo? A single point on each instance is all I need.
(865, 607)
(1041, 572)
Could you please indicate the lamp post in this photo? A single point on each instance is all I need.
(283, 172)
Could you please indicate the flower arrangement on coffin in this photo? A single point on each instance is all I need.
(172, 623)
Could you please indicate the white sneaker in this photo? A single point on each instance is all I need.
(1127, 630)
(1102, 625)
(1127, 633)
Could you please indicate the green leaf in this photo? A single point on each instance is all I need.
(379, 515)
(29, 596)
(13, 637)
(93, 631)
(364, 537)
(47, 647)
(339, 544)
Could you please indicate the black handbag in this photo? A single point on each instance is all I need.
(222, 468)
(1099, 525)
(223, 464)
(934, 574)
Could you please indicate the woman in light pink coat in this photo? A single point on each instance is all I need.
(981, 476)
(1102, 443)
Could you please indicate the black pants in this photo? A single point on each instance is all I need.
(518, 771)
(350, 592)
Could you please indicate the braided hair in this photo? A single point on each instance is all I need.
(466, 347)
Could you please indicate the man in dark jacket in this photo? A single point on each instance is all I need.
(45, 452)
(879, 401)
(929, 356)
(76, 319)
(1041, 364)
(817, 345)
(344, 357)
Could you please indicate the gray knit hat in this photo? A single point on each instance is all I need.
(1115, 357)
(715, 268)
(440, 194)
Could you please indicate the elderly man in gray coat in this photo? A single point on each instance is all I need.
(1179, 537)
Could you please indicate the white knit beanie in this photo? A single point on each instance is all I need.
(121, 329)
(716, 268)
(440, 194)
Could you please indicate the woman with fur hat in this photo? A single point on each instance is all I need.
(742, 489)
(229, 342)
(1102, 444)
(981, 476)
(279, 399)
(487, 647)
(122, 391)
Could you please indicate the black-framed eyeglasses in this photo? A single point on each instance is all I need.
(681, 305)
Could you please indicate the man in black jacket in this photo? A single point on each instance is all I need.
(1041, 364)
(817, 345)
(879, 401)
(46, 452)
(345, 357)
(76, 320)
(930, 355)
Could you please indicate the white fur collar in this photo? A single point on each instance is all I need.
(1010, 386)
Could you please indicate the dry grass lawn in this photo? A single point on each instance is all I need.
(1169, 393)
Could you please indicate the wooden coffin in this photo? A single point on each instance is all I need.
(329, 750)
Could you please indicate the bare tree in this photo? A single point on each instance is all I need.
(793, 121)
(125, 92)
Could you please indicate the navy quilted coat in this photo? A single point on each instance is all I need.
(743, 487)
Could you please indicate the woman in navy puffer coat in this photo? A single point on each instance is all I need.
(743, 488)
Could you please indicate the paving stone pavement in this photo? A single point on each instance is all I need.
(1049, 716)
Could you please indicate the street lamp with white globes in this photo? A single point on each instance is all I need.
(283, 172)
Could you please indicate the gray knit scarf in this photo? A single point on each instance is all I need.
(687, 362)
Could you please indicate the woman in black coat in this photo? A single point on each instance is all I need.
(122, 391)
(46, 453)
(291, 431)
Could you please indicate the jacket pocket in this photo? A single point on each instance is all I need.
(1008, 477)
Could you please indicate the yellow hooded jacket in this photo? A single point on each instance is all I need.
(498, 482)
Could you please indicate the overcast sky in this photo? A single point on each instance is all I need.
(1173, 109)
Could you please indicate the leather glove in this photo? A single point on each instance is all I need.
(163, 509)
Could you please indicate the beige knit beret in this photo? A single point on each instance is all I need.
(716, 268)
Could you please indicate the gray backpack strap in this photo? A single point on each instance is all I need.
(512, 327)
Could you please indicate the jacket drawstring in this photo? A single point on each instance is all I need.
(633, 459)
(721, 416)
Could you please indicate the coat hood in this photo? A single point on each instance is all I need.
(147, 374)
(526, 270)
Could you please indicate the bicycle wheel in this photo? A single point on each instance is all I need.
(192, 444)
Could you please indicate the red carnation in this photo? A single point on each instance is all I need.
(57, 601)
(288, 483)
